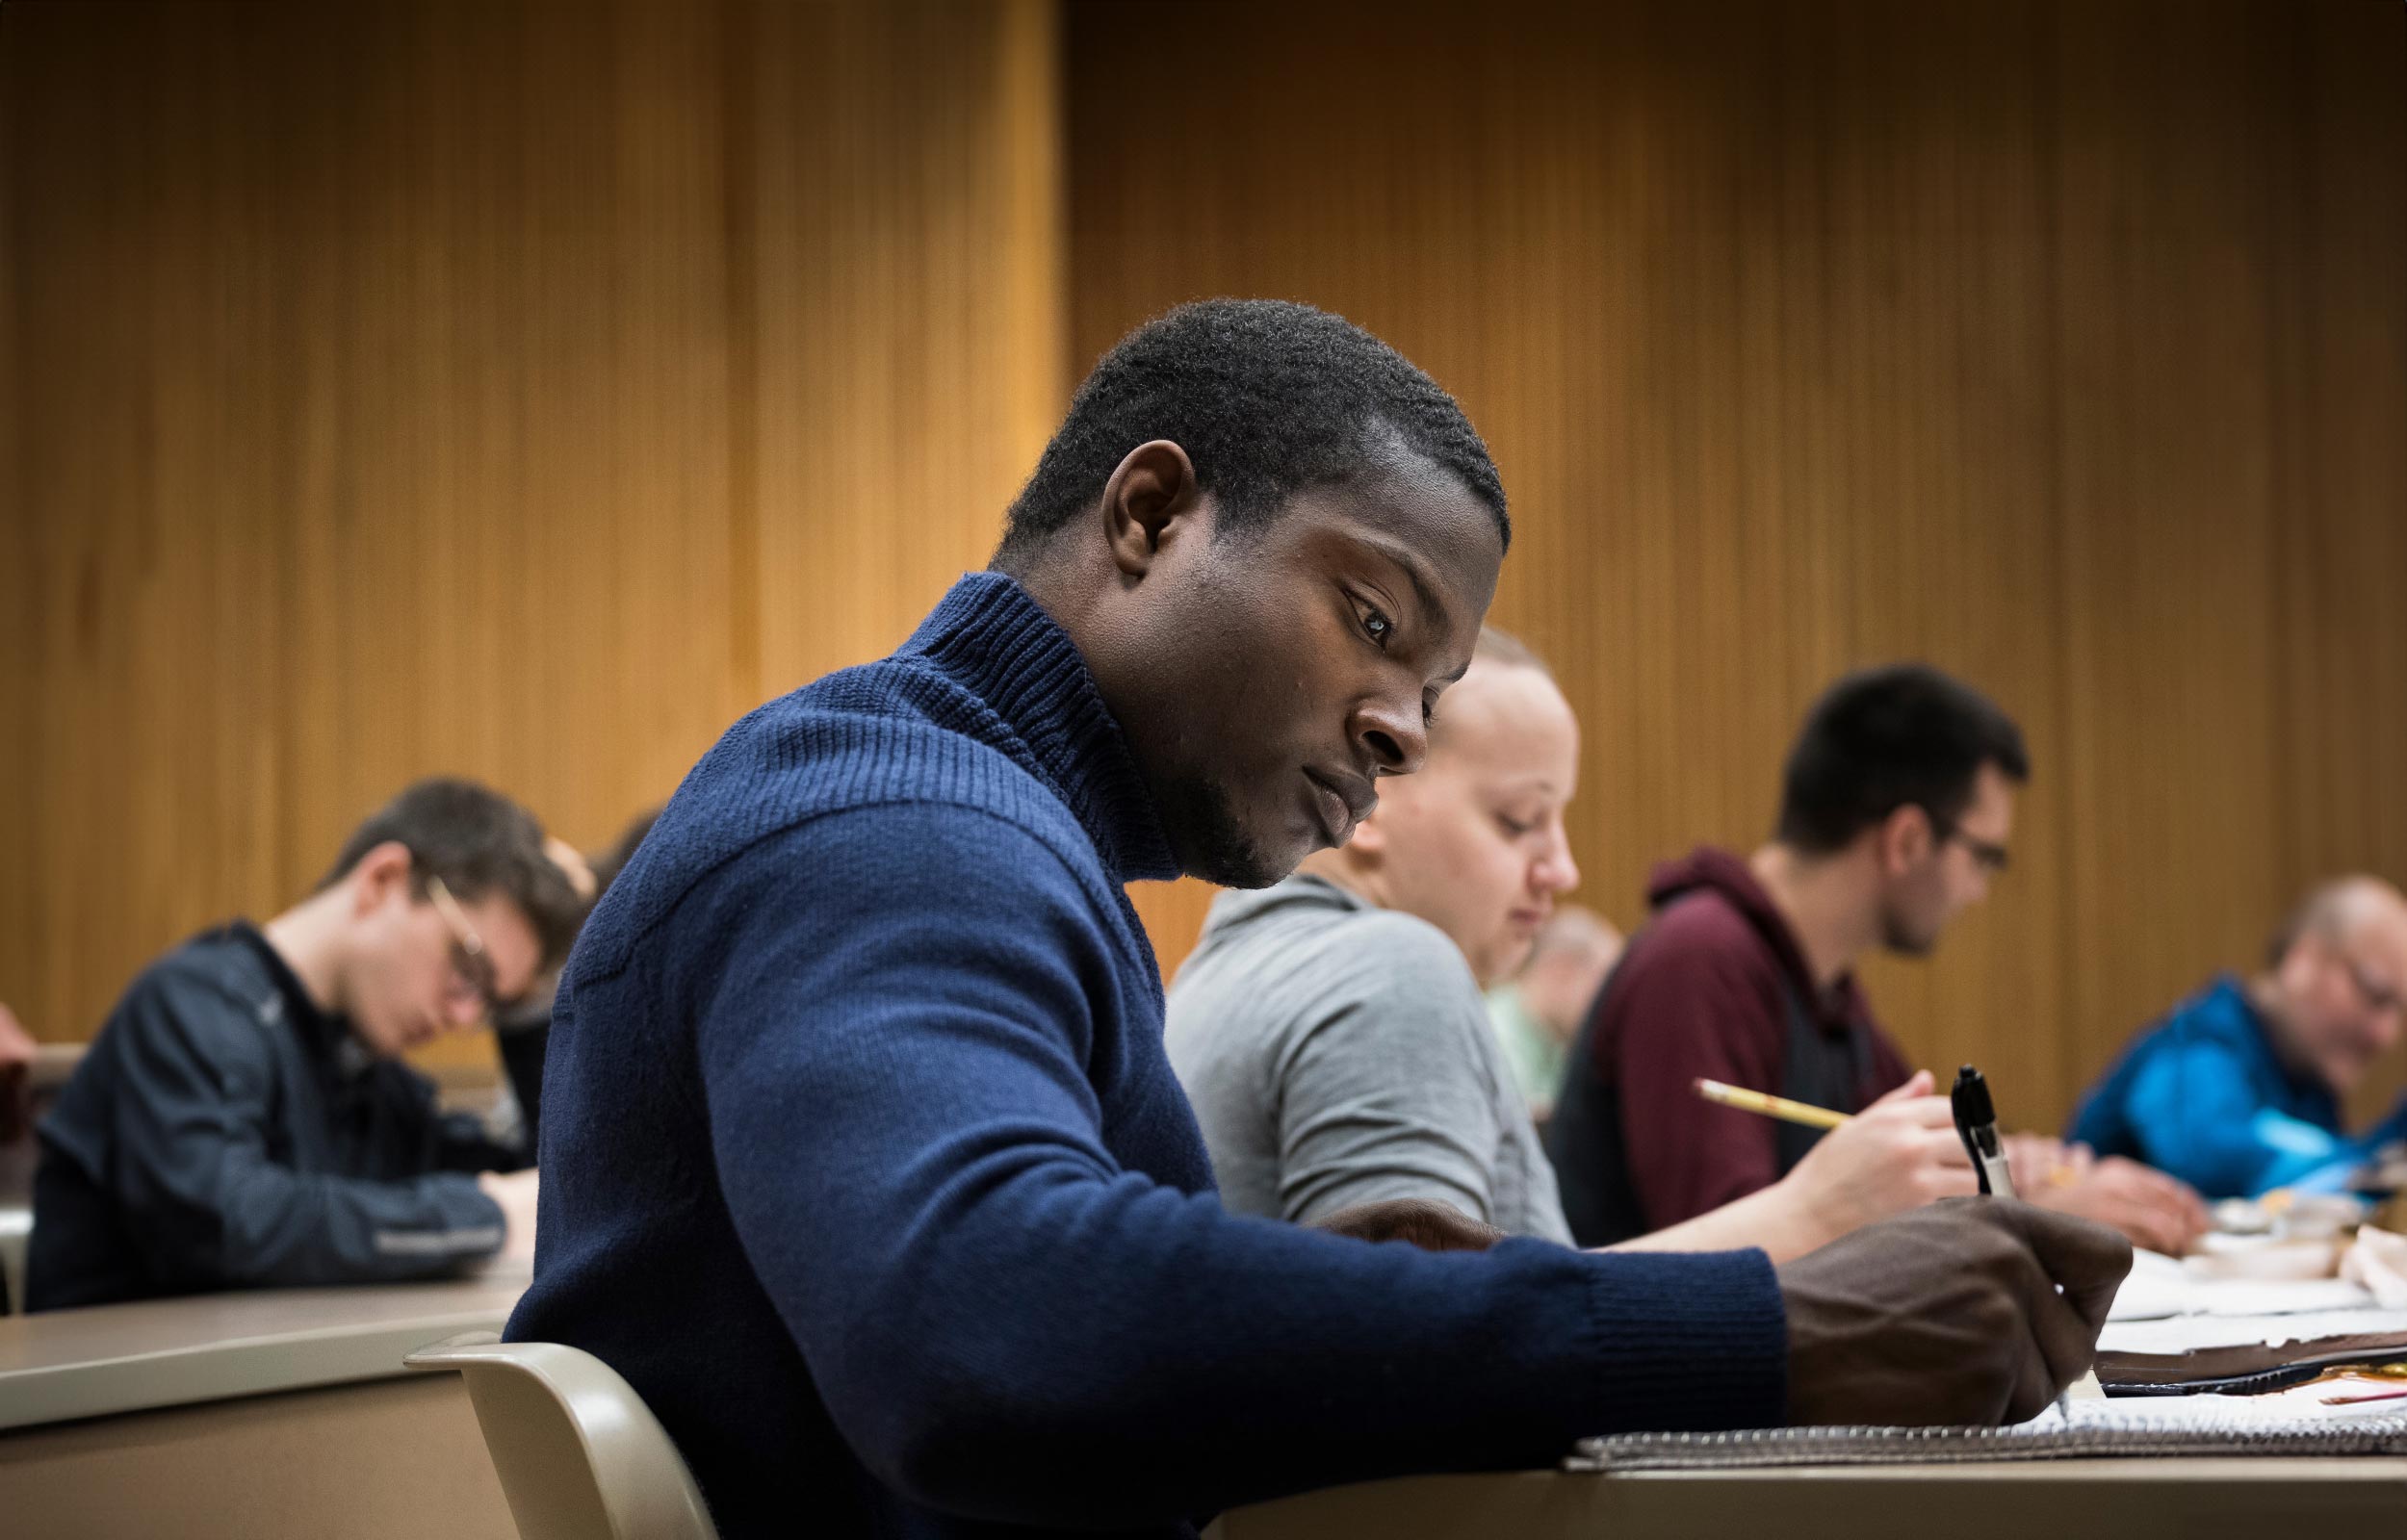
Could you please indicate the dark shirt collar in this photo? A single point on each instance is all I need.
(991, 639)
(328, 1036)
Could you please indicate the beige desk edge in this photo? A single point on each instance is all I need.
(216, 1368)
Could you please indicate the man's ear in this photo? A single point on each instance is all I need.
(380, 874)
(1151, 496)
(1906, 840)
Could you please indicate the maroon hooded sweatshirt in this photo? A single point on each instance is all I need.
(1716, 986)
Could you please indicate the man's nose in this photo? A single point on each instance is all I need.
(1393, 734)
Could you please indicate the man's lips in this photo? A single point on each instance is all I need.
(1341, 803)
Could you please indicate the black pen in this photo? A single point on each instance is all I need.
(1977, 1126)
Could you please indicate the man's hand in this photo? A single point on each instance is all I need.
(2159, 1212)
(515, 1192)
(1948, 1315)
(1427, 1223)
(1896, 1154)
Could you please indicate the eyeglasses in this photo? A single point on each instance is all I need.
(1992, 857)
(2378, 996)
(471, 970)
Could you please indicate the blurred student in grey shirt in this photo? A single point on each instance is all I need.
(1330, 1030)
(1332, 1034)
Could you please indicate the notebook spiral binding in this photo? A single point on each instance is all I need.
(2097, 1437)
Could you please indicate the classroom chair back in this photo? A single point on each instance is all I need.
(579, 1455)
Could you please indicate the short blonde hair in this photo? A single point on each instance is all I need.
(1500, 646)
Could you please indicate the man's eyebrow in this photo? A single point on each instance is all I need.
(1423, 589)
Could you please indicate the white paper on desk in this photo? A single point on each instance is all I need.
(2158, 1288)
(2183, 1333)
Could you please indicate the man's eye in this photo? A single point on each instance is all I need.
(1376, 625)
(1515, 826)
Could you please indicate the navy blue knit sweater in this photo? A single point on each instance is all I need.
(864, 1163)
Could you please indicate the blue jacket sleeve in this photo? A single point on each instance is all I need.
(190, 1165)
(2198, 1117)
(1006, 1323)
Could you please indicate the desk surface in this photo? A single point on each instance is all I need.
(2066, 1500)
(70, 1364)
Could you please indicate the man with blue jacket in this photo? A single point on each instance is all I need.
(2239, 1090)
(865, 1163)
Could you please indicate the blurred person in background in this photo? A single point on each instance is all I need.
(245, 1118)
(523, 1032)
(1330, 1033)
(16, 1076)
(1897, 803)
(1537, 1012)
(16, 1103)
(2239, 1088)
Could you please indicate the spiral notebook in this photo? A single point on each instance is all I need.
(2198, 1425)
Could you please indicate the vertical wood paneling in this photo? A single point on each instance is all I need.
(526, 391)
(2165, 446)
(521, 390)
(2058, 345)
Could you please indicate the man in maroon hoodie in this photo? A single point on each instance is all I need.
(1897, 803)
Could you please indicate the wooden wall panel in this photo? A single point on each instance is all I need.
(2059, 345)
(522, 391)
(2167, 513)
(526, 390)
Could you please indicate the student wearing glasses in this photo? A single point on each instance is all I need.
(243, 1117)
(1897, 804)
(2239, 1090)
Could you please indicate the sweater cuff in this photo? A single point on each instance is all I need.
(1689, 1343)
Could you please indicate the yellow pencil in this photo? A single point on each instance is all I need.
(1780, 1106)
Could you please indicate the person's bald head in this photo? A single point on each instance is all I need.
(1474, 844)
(2338, 971)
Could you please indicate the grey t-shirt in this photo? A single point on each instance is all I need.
(1339, 1053)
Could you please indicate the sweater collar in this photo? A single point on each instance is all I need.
(991, 639)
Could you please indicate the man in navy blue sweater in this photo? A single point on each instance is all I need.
(864, 1162)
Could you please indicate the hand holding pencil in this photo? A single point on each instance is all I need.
(1883, 1160)
(1898, 1154)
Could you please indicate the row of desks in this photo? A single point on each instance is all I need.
(248, 1417)
(288, 1413)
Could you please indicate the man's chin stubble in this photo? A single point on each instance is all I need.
(1212, 846)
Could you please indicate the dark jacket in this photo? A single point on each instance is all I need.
(1715, 987)
(221, 1133)
(864, 1164)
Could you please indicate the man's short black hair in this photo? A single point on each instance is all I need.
(478, 842)
(1884, 738)
(1267, 397)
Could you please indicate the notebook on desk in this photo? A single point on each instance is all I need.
(2197, 1425)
